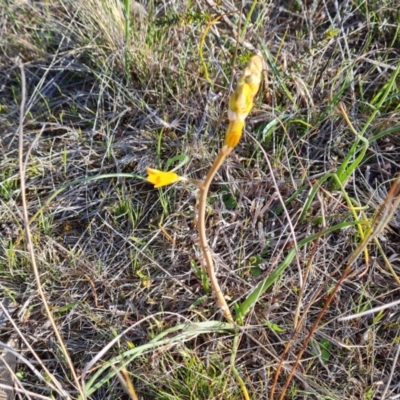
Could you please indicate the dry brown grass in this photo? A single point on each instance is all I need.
(114, 253)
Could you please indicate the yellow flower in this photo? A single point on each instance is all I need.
(253, 73)
(161, 178)
(234, 133)
(240, 102)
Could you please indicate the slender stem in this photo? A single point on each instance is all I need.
(201, 226)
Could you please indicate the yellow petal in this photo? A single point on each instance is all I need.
(241, 101)
(161, 178)
(253, 73)
(234, 133)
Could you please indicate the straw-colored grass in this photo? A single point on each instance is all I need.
(110, 91)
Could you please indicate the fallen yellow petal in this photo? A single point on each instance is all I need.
(161, 178)
(234, 133)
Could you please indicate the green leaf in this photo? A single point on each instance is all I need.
(229, 201)
(325, 346)
(199, 301)
(256, 260)
(66, 308)
(273, 327)
(183, 158)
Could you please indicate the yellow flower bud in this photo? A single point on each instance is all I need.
(253, 74)
(162, 178)
(240, 102)
(234, 133)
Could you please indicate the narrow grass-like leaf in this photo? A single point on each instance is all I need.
(273, 327)
(253, 297)
(345, 174)
(275, 71)
(272, 124)
(386, 132)
(344, 171)
(201, 45)
(77, 182)
(182, 158)
(189, 331)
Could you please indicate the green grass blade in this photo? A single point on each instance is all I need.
(189, 331)
(182, 158)
(79, 181)
(386, 132)
(253, 297)
(278, 76)
(344, 171)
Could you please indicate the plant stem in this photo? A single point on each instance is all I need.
(201, 226)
